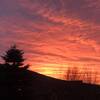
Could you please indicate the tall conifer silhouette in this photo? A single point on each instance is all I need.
(13, 73)
(14, 56)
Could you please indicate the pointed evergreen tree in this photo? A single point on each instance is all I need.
(13, 73)
(14, 56)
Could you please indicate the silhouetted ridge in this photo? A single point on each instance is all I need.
(18, 83)
(47, 88)
(28, 85)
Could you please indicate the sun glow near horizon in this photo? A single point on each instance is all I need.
(59, 71)
(57, 35)
(50, 69)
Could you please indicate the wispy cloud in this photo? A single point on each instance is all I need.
(52, 31)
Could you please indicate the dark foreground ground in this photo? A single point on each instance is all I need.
(27, 85)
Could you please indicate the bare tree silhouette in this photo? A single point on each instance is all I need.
(72, 73)
(86, 76)
(90, 77)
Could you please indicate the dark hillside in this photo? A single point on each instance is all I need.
(20, 84)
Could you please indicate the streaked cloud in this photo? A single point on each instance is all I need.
(61, 32)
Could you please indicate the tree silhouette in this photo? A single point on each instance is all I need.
(87, 76)
(13, 57)
(13, 73)
(72, 74)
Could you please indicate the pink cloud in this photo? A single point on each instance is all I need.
(53, 37)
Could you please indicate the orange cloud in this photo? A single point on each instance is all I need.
(54, 36)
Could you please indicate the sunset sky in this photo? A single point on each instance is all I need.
(54, 34)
